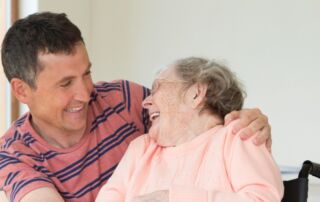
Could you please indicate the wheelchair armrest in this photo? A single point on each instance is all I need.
(311, 168)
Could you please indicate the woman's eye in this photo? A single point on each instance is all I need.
(154, 87)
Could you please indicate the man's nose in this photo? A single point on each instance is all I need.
(84, 91)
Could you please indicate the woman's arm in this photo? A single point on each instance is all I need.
(252, 172)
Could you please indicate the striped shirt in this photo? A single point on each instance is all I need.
(115, 117)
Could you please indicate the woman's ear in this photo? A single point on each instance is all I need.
(20, 89)
(199, 91)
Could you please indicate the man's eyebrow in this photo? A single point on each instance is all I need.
(88, 68)
(64, 79)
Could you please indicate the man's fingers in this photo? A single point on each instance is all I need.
(269, 144)
(242, 125)
(249, 115)
(251, 122)
(161, 195)
(231, 116)
(263, 136)
(245, 133)
(252, 113)
(250, 127)
(140, 199)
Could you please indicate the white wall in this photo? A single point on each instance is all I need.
(274, 47)
(111, 40)
(79, 12)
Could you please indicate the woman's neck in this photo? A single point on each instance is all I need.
(198, 125)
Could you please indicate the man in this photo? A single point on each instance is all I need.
(69, 143)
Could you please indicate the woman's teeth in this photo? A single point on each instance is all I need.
(154, 115)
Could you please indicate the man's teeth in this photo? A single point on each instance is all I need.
(154, 115)
(74, 109)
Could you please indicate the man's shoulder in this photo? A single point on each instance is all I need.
(17, 137)
(115, 85)
(117, 91)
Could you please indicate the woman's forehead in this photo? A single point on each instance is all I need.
(166, 73)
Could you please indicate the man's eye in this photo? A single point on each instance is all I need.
(65, 84)
(88, 73)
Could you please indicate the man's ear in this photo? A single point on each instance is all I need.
(199, 94)
(20, 89)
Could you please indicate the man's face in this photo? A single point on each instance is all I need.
(59, 104)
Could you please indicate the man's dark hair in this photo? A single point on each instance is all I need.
(44, 32)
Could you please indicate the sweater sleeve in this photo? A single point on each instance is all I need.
(252, 172)
(115, 189)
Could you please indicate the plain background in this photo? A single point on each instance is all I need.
(273, 46)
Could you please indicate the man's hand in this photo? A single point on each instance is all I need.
(44, 194)
(251, 122)
(157, 196)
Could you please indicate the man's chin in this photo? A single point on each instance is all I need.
(76, 126)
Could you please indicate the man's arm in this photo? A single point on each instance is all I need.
(18, 178)
(44, 194)
(134, 94)
(251, 122)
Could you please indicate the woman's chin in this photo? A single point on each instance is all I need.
(161, 136)
(165, 144)
(153, 131)
(162, 141)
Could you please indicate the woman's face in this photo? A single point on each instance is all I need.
(168, 110)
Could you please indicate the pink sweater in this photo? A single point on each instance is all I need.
(214, 166)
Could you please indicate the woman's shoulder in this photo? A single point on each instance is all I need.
(229, 139)
(140, 140)
(229, 130)
(141, 143)
(225, 131)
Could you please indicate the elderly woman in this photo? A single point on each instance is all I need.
(188, 154)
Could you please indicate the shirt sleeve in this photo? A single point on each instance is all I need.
(253, 174)
(134, 94)
(18, 177)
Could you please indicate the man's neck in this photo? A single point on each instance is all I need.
(58, 139)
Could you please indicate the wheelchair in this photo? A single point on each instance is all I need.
(296, 190)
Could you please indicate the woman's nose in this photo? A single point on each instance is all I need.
(147, 102)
